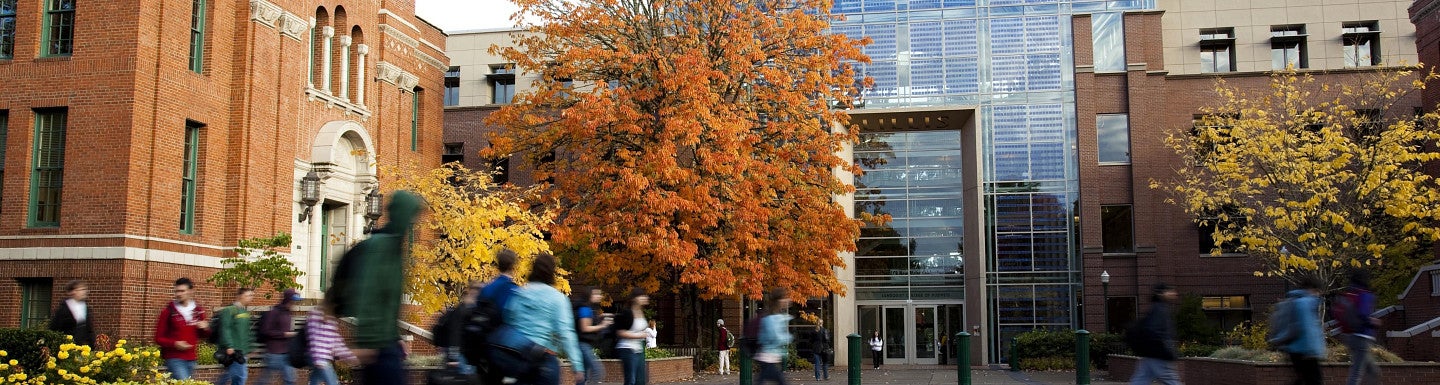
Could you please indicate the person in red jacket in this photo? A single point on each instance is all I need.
(178, 331)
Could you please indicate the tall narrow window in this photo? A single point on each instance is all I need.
(187, 177)
(1118, 228)
(1362, 43)
(59, 27)
(1217, 47)
(502, 83)
(415, 119)
(197, 36)
(35, 301)
(1287, 47)
(1108, 31)
(7, 29)
(1114, 132)
(4, 140)
(452, 87)
(49, 167)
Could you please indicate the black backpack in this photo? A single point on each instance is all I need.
(260, 326)
(299, 354)
(751, 340)
(217, 326)
(590, 338)
(478, 323)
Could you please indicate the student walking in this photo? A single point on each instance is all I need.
(723, 343)
(630, 328)
(374, 298)
(235, 338)
(1153, 339)
(276, 331)
(326, 346)
(1352, 311)
(589, 324)
(178, 331)
(876, 344)
(774, 337)
(542, 314)
(72, 317)
(498, 293)
(1307, 345)
(819, 347)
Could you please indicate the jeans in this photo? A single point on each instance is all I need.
(1362, 363)
(633, 361)
(1153, 369)
(388, 368)
(1307, 369)
(277, 365)
(769, 371)
(875, 358)
(180, 369)
(593, 369)
(821, 366)
(323, 372)
(724, 362)
(544, 373)
(234, 374)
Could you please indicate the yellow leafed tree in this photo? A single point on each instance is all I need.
(1313, 178)
(471, 218)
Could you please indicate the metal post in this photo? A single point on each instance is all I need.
(1106, 306)
(962, 354)
(1082, 357)
(854, 359)
(747, 371)
(1014, 356)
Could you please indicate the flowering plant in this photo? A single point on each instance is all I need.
(82, 365)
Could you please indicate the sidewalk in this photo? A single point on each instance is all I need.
(926, 375)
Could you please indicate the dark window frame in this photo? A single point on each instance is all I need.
(189, 176)
(197, 35)
(35, 296)
(38, 217)
(8, 20)
(1115, 218)
(502, 83)
(1215, 40)
(1356, 33)
(452, 86)
(1100, 133)
(59, 36)
(1286, 38)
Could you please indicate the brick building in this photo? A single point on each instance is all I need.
(1019, 142)
(143, 138)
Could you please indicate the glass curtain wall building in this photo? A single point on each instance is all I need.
(1012, 61)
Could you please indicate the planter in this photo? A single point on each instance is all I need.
(1215, 371)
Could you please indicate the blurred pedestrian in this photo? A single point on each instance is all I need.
(589, 324)
(723, 342)
(181, 325)
(1153, 339)
(277, 329)
(775, 337)
(630, 328)
(542, 314)
(72, 317)
(235, 338)
(1308, 345)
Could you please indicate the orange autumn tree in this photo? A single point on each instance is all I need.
(690, 142)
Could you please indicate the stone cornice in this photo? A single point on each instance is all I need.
(294, 27)
(265, 12)
(433, 62)
(399, 35)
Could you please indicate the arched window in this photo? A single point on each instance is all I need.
(339, 53)
(317, 45)
(357, 65)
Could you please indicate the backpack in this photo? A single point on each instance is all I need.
(751, 340)
(589, 338)
(442, 332)
(299, 354)
(217, 326)
(475, 329)
(1282, 324)
(262, 326)
(1345, 310)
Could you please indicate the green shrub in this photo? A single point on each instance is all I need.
(205, 354)
(1249, 335)
(30, 347)
(1045, 364)
(654, 353)
(1050, 344)
(1188, 349)
(1243, 354)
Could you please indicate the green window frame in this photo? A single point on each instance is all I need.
(7, 29)
(415, 119)
(197, 36)
(35, 301)
(187, 178)
(4, 140)
(48, 170)
(59, 28)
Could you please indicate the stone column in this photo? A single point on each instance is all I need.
(310, 61)
(328, 32)
(360, 50)
(345, 67)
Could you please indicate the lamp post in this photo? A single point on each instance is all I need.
(373, 202)
(309, 194)
(1105, 283)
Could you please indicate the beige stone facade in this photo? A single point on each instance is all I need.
(1253, 21)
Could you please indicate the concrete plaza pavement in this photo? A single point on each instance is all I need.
(916, 375)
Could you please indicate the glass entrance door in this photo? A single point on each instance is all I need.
(926, 347)
(911, 334)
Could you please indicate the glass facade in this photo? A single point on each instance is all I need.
(1013, 61)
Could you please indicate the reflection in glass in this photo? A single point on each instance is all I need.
(1108, 34)
(1114, 132)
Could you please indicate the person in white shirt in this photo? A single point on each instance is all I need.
(73, 316)
(630, 328)
(650, 334)
(876, 344)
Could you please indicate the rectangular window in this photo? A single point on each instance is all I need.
(1225, 303)
(59, 27)
(1108, 31)
(1209, 223)
(1217, 47)
(35, 301)
(4, 140)
(1114, 132)
(197, 36)
(454, 152)
(1287, 47)
(1361, 43)
(502, 83)
(415, 119)
(1118, 228)
(452, 87)
(49, 167)
(1435, 284)
(187, 178)
(7, 29)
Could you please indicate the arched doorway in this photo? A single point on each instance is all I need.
(342, 155)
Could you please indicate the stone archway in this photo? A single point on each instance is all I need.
(342, 153)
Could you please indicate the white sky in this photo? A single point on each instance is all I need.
(456, 15)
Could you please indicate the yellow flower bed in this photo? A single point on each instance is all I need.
(81, 365)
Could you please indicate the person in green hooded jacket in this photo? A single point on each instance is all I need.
(374, 298)
(235, 337)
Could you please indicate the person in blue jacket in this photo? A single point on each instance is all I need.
(1308, 347)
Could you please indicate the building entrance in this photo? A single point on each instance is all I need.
(913, 334)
